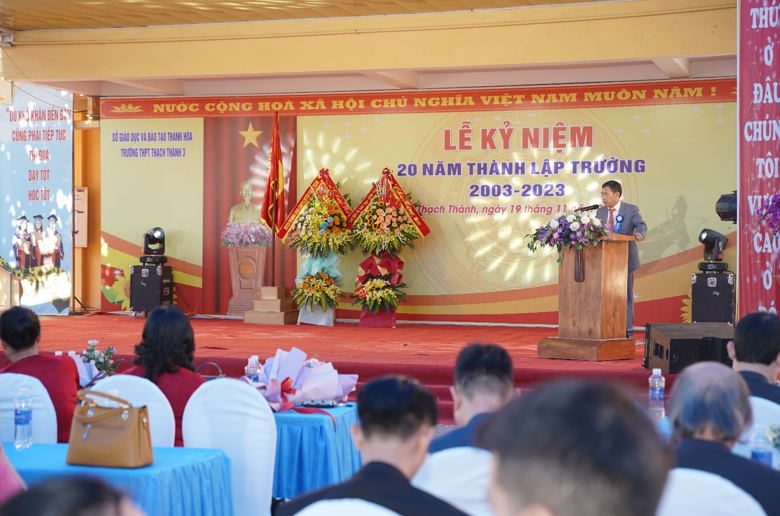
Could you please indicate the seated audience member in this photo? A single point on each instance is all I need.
(574, 448)
(483, 378)
(20, 333)
(166, 356)
(708, 411)
(755, 351)
(70, 496)
(397, 417)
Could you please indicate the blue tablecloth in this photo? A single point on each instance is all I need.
(181, 482)
(311, 453)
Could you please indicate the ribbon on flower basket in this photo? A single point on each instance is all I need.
(318, 265)
(373, 266)
(288, 405)
(322, 186)
(390, 192)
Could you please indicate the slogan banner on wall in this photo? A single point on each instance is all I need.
(487, 167)
(759, 147)
(36, 132)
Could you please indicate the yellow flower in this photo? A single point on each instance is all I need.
(122, 289)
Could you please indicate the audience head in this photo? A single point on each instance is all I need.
(709, 401)
(70, 496)
(168, 342)
(572, 448)
(397, 417)
(757, 340)
(483, 378)
(20, 330)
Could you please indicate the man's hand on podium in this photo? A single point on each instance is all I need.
(639, 237)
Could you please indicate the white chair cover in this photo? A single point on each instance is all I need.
(232, 416)
(44, 419)
(459, 476)
(139, 392)
(346, 507)
(765, 413)
(690, 492)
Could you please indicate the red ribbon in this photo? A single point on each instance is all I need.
(287, 389)
(392, 265)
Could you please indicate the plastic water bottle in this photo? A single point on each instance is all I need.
(252, 369)
(23, 437)
(761, 446)
(656, 395)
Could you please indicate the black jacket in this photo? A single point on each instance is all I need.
(760, 387)
(382, 484)
(759, 481)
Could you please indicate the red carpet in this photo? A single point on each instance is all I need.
(426, 352)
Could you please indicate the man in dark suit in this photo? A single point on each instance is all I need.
(755, 351)
(623, 218)
(483, 378)
(397, 417)
(708, 411)
(574, 448)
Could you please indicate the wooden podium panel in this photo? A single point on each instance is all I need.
(592, 307)
(596, 307)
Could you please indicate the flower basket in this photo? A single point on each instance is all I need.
(317, 226)
(383, 319)
(379, 295)
(318, 292)
(569, 230)
(386, 220)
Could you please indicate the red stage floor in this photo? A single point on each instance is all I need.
(427, 352)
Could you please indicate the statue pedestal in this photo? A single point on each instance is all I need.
(247, 265)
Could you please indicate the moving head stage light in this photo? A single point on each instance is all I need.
(714, 244)
(726, 207)
(154, 247)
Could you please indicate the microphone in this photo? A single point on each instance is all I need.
(588, 208)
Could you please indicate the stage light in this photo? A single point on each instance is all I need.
(154, 241)
(154, 247)
(726, 207)
(714, 244)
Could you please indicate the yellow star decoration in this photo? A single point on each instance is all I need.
(250, 135)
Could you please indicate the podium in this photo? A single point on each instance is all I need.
(592, 304)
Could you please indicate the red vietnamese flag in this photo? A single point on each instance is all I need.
(273, 209)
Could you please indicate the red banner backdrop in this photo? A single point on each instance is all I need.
(759, 146)
(543, 97)
(227, 162)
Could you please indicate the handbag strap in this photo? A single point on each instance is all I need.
(84, 396)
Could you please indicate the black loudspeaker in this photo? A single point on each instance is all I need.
(150, 286)
(672, 347)
(712, 297)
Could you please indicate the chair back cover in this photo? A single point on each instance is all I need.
(459, 476)
(765, 413)
(690, 492)
(142, 392)
(346, 507)
(233, 416)
(44, 419)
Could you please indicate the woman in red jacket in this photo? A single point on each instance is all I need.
(165, 356)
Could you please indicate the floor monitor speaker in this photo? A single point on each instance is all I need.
(672, 347)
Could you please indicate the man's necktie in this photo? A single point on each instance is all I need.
(611, 220)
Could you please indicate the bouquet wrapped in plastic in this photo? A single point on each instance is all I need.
(288, 378)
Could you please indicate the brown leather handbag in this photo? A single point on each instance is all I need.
(111, 437)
